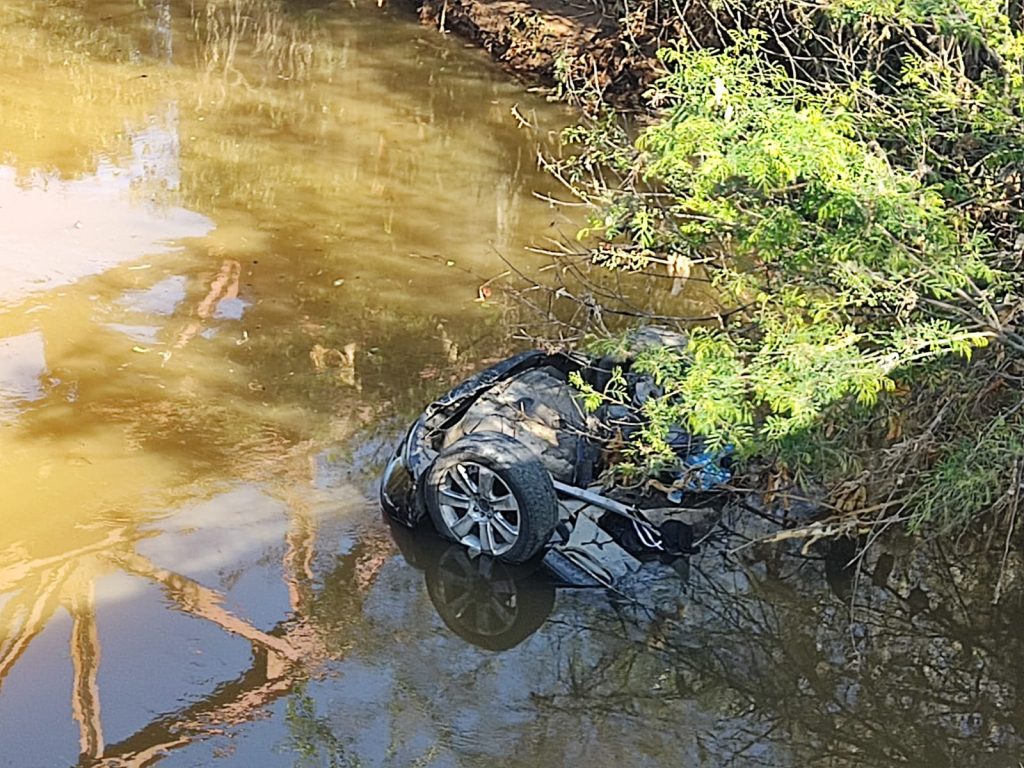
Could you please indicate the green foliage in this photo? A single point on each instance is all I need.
(971, 476)
(769, 176)
(862, 224)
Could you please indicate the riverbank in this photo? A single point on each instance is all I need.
(570, 46)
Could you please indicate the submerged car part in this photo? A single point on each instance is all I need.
(491, 494)
(495, 605)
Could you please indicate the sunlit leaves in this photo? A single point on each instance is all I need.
(839, 255)
(778, 173)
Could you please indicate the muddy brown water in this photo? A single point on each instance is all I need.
(241, 243)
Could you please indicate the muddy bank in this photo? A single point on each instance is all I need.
(579, 47)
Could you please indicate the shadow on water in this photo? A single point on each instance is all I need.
(764, 664)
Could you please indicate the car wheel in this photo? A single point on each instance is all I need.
(490, 493)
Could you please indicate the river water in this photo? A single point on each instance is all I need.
(241, 244)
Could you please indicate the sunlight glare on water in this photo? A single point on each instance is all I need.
(238, 242)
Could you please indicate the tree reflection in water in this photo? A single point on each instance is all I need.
(766, 665)
(36, 589)
(763, 665)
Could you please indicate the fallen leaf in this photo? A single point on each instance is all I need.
(895, 428)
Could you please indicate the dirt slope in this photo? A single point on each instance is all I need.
(572, 45)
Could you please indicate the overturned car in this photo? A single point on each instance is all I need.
(508, 464)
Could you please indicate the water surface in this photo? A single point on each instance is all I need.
(242, 242)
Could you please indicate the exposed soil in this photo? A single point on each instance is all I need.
(578, 46)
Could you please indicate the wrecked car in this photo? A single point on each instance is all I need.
(509, 464)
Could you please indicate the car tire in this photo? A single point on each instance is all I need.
(489, 492)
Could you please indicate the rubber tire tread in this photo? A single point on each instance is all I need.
(520, 470)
